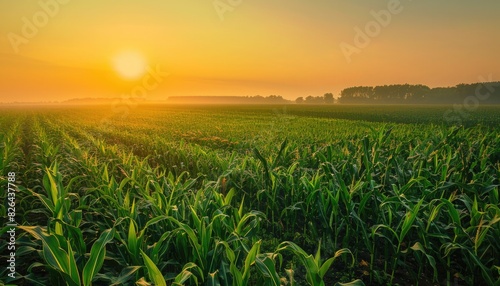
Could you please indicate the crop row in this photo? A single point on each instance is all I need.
(146, 201)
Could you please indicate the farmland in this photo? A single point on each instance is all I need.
(252, 195)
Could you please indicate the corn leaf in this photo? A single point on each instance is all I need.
(97, 255)
(153, 271)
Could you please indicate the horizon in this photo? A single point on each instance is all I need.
(55, 50)
(123, 99)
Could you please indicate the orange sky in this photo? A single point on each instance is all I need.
(53, 50)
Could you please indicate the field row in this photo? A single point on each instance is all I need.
(250, 196)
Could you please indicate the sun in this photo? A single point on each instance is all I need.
(129, 64)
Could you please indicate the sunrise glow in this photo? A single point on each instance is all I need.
(56, 50)
(129, 64)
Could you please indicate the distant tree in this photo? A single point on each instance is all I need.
(314, 99)
(275, 99)
(357, 94)
(299, 100)
(486, 92)
(328, 98)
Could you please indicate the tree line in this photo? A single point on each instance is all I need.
(327, 98)
(488, 92)
(475, 93)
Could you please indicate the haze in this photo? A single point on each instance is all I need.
(258, 47)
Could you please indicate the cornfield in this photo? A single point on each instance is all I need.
(252, 195)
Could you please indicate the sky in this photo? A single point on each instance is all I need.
(54, 50)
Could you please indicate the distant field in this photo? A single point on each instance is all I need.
(242, 195)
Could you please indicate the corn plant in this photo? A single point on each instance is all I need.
(194, 202)
(60, 257)
(315, 267)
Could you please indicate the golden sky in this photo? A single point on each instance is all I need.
(53, 50)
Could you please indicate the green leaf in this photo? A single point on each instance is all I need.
(266, 266)
(409, 219)
(51, 186)
(186, 274)
(488, 277)
(151, 222)
(153, 271)
(54, 255)
(73, 269)
(125, 275)
(229, 196)
(419, 247)
(132, 239)
(280, 153)
(317, 257)
(97, 255)
(250, 259)
(264, 163)
(356, 282)
(307, 260)
(453, 212)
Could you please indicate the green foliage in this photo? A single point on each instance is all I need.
(242, 195)
(153, 272)
(57, 253)
(315, 267)
(97, 255)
